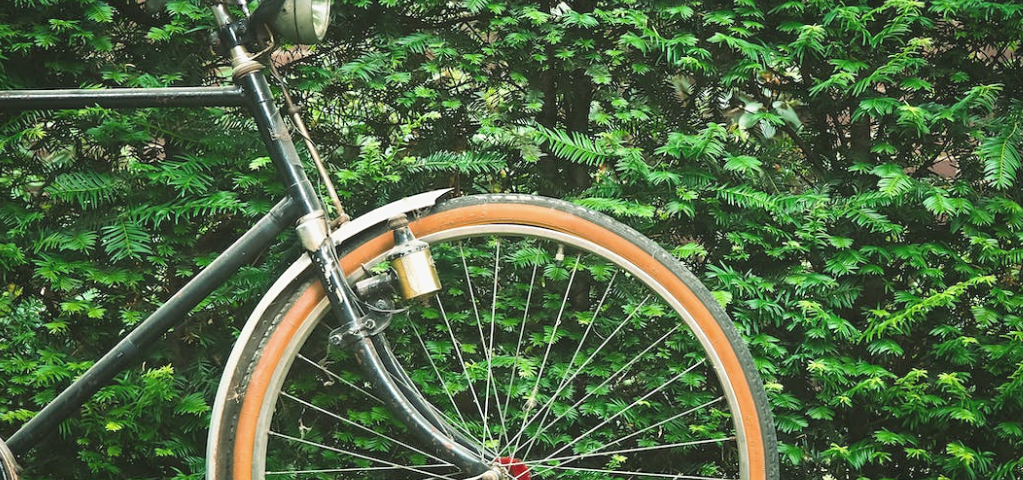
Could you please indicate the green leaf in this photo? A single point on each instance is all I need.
(792, 453)
(888, 437)
(744, 164)
(125, 239)
(599, 74)
(709, 143)
(573, 146)
(1001, 157)
(100, 12)
(918, 307)
(88, 189)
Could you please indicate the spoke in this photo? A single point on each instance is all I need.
(483, 344)
(343, 470)
(440, 414)
(359, 426)
(546, 407)
(490, 349)
(337, 377)
(461, 361)
(586, 334)
(358, 455)
(656, 425)
(572, 458)
(531, 401)
(626, 409)
(440, 378)
(566, 378)
(629, 473)
(611, 377)
(518, 347)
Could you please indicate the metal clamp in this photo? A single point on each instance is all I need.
(372, 324)
(312, 230)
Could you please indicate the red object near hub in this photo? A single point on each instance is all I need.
(517, 469)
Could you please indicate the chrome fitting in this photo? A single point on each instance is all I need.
(312, 230)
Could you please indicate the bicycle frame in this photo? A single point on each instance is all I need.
(300, 201)
(301, 207)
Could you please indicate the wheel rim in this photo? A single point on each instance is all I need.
(648, 426)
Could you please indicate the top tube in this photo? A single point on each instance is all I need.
(230, 96)
(57, 99)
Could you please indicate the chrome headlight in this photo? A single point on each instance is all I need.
(303, 21)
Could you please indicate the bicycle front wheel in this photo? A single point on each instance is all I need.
(563, 345)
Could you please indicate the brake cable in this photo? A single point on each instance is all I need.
(293, 112)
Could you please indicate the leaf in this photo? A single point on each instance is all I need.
(1001, 157)
(917, 84)
(900, 321)
(599, 74)
(894, 182)
(125, 239)
(916, 118)
(574, 146)
(475, 6)
(464, 162)
(793, 453)
(709, 143)
(888, 437)
(743, 164)
(366, 67)
(618, 207)
(885, 346)
(877, 107)
(191, 404)
(88, 189)
(100, 13)
(581, 20)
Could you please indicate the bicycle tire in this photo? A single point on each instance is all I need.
(325, 415)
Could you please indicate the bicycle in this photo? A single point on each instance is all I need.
(623, 366)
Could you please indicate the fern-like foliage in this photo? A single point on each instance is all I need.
(1001, 156)
(574, 146)
(82, 241)
(187, 174)
(125, 239)
(366, 67)
(463, 162)
(709, 143)
(87, 189)
(618, 207)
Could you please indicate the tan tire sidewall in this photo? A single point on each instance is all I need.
(255, 395)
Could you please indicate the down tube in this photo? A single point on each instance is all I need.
(170, 314)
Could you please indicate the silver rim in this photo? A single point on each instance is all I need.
(565, 454)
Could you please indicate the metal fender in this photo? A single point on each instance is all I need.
(280, 287)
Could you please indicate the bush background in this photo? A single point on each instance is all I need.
(844, 174)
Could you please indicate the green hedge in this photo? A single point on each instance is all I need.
(843, 174)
